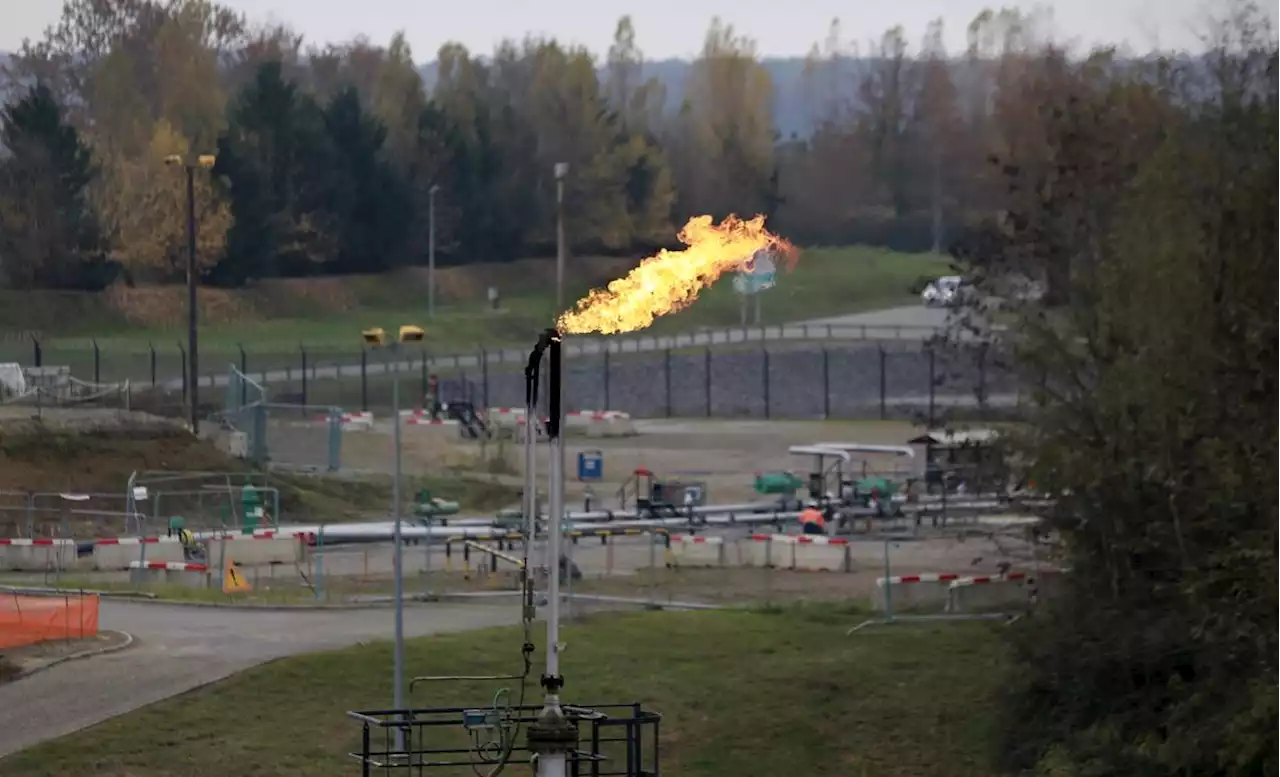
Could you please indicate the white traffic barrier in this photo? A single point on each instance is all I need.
(816, 553)
(359, 421)
(171, 572)
(600, 423)
(983, 592)
(253, 550)
(756, 551)
(696, 550)
(118, 553)
(36, 554)
(906, 592)
(429, 421)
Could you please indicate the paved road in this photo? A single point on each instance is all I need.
(911, 318)
(180, 648)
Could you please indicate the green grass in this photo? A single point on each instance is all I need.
(825, 282)
(742, 694)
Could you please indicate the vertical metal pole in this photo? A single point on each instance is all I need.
(764, 370)
(883, 382)
(888, 584)
(194, 369)
(605, 375)
(756, 299)
(431, 252)
(398, 561)
(707, 375)
(932, 386)
(555, 488)
(826, 384)
(561, 170)
(666, 376)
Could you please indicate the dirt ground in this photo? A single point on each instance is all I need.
(723, 454)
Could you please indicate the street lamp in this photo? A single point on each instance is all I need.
(561, 170)
(431, 251)
(376, 338)
(191, 164)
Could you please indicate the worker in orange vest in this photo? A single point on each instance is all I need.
(811, 520)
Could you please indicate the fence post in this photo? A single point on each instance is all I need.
(423, 392)
(606, 377)
(884, 363)
(826, 383)
(707, 377)
(484, 379)
(97, 362)
(932, 385)
(37, 353)
(244, 372)
(982, 377)
(302, 352)
(666, 375)
(364, 380)
(182, 352)
(152, 349)
(764, 370)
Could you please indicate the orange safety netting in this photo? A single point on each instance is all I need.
(26, 620)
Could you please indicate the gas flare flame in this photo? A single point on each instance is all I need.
(670, 280)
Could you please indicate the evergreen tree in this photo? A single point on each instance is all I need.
(49, 235)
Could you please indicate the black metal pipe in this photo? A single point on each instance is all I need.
(553, 385)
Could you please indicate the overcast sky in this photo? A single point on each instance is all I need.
(671, 28)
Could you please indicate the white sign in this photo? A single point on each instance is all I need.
(757, 275)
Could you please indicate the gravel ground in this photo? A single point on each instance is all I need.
(181, 648)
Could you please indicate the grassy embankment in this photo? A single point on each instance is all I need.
(742, 694)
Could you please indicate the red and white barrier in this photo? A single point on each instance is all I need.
(171, 572)
(816, 553)
(967, 594)
(696, 550)
(119, 553)
(170, 566)
(36, 554)
(360, 420)
(428, 421)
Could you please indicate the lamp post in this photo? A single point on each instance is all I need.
(377, 338)
(431, 251)
(190, 164)
(561, 170)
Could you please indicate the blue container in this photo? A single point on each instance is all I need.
(590, 465)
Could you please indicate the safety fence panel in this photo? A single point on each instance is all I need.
(27, 620)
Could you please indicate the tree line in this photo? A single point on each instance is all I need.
(333, 159)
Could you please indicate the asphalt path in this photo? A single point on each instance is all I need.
(179, 648)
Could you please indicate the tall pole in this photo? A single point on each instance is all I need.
(552, 737)
(431, 252)
(562, 169)
(397, 561)
(193, 361)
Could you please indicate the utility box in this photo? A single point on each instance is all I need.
(250, 508)
(590, 466)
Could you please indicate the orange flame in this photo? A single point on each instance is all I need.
(671, 280)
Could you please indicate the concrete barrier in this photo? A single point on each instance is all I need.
(696, 550)
(253, 550)
(170, 572)
(988, 592)
(813, 553)
(36, 554)
(754, 551)
(358, 421)
(120, 553)
(913, 592)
